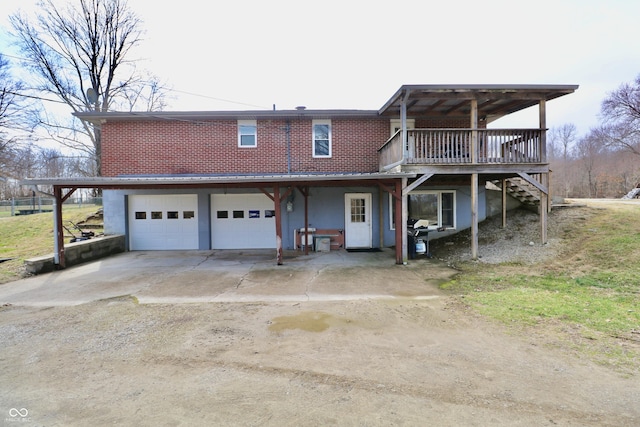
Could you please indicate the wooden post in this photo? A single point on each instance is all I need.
(278, 212)
(306, 220)
(474, 131)
(403, 221)
(59, 237)
(504, 203)
(474, 216)
(544, 208)
(542, 110)
(544, 177)
(381, 216)
(400, 241)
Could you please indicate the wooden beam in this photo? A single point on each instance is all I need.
(278, 213)
(266, 193)
(388, 189)
(480, 168)
(544, 209)
(504, 203)
(400, 240)
(59, 230)
(543, 188)
(416, 183)
(404, 208)
(66, 196)
(474, 216)
(542, 110)
(473, 124)
(380, 218)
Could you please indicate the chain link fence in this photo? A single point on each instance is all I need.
(39, 204)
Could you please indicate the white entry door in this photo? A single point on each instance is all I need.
(358, 220)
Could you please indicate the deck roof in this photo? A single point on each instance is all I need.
(494, 101)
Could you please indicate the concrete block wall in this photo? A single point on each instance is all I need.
(78, 252)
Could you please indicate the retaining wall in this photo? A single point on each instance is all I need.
(79, 252)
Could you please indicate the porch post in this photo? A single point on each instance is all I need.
(58, 243)
(542, 110)
(474, 131)
(504, 203)
(403, 123)
(306, 221)
(400, 241)
(474, 216)
(544, 207)
(544, 177)
(276, 202)
(403, 221)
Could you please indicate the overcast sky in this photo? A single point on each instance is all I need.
(356, 54)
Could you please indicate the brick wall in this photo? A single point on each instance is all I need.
(211, 147)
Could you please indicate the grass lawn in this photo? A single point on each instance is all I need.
(589, 296)
(23, 237)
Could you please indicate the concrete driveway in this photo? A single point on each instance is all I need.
(231, 276)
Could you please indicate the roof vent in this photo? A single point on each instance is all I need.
(301, 108)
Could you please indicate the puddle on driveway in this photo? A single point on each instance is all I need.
(310, 321)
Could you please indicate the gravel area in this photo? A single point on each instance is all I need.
(519, 242)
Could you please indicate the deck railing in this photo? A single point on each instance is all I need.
(462, 146)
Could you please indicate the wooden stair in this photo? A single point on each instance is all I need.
(521, 190)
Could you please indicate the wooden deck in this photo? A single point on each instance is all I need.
(486, 149)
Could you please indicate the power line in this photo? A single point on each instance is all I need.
(217, 99)
(35, 97)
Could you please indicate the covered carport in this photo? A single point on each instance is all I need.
(275, 187)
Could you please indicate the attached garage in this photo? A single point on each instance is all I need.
(163, 222)
(242, 221)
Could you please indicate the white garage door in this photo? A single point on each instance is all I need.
(163, 222)
(242, 221)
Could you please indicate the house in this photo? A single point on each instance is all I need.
(323, 179)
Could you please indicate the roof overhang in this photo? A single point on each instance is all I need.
(450, 101)
(132, 182)
(201, 116)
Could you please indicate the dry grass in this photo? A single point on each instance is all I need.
(32, 235)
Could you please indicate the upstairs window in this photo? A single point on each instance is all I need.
(247, 133)
(322, 138)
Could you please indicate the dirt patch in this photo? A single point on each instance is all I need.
(400, 362)
(418, 357)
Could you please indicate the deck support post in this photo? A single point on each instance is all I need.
(474, 131)
(58, 242)
(504, 203)
(278, 213)
(544, 208)
(400, 254)
(403, 222)
(474, 216)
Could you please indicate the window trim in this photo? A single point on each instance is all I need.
(313, 132)
(254, 124)
(440, 208)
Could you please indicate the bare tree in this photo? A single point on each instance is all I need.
(588, 151)
(620, 113)
(12, 117)
(80, 54)
(562, 139)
